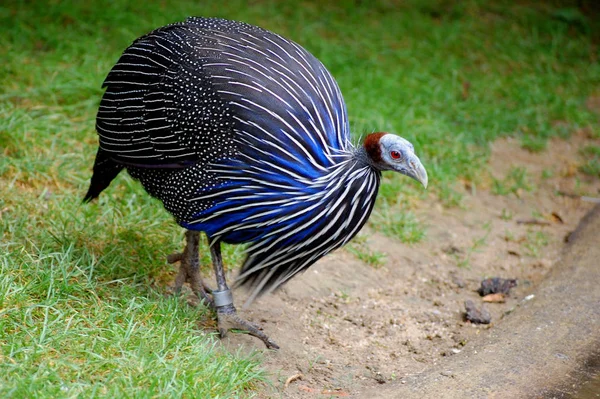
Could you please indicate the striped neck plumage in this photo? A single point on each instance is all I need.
(291, 221)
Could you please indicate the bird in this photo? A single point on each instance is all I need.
(244, 136)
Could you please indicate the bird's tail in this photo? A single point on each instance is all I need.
(105, 170)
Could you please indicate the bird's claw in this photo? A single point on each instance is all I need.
(221, 300)
(228, 319)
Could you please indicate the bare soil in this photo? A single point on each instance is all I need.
(345, 327)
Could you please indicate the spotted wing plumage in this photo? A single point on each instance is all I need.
(159, 108)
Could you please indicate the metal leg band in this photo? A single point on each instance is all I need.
(222, 298)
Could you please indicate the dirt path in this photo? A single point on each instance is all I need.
(543, 350)
(348, 328)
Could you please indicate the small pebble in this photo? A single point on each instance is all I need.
(496, 285)
(475, 315)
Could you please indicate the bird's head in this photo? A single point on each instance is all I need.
(390, 152)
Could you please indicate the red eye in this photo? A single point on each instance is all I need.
(395, 155)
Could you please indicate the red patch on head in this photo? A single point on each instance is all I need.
(372, 146)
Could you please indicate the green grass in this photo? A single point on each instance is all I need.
(515, 182)
(359, 247)
(591, 165)
(535, 241)
(463, 260)
(398, 223)
(82, 310)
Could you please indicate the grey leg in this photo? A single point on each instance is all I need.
(189, 267)
(227, 317)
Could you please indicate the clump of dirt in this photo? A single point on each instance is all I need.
(496, 285)
(344, 326)
(475, 314)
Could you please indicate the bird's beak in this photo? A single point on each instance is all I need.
(416, 170)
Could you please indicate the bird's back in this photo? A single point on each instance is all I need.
(208, 89)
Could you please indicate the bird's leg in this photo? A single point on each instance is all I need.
(189, 267)
(227, 317)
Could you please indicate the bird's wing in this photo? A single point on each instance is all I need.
(207, 88)
(159, 108)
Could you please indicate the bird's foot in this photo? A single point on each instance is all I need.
(227, 319)
(188, 272)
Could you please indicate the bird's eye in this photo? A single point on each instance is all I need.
(395, 155)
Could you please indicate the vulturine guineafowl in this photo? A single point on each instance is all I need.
(242, 134)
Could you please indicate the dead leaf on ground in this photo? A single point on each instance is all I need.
(293, 378)
(494, 298)
(466, 86)
(556, 217)
(334, 392)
